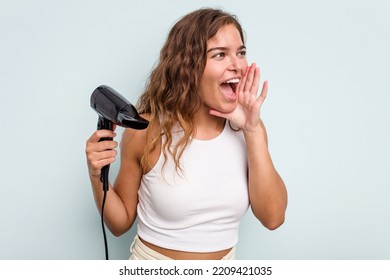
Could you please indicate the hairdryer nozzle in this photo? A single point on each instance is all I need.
(109, 104)
(125, 119)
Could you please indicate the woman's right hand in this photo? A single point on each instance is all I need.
(100, 153)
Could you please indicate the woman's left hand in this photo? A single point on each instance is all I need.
(246, 116)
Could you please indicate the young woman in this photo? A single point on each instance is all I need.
(203, 160)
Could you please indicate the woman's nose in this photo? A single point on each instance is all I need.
(235, 64)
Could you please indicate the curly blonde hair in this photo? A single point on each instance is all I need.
(171, 95)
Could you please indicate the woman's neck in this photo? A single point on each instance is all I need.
(208, 126)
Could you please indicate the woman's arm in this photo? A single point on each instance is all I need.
(122, 198)
(267, 192)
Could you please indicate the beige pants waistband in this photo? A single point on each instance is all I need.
(139, 251)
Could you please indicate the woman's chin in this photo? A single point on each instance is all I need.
(226, 108)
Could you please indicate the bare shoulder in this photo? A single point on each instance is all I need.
(133, 141)
(132, 147)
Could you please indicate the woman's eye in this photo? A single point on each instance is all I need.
(219, 55)
(242, 53)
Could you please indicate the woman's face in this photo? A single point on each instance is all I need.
(226, 64)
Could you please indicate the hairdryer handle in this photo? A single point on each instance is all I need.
(104, 123)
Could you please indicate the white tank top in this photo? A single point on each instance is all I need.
(199, 210)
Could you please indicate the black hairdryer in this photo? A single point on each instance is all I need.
(113, 108)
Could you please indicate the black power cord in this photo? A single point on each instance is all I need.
(103, 227)
(104, 123)
(104, 180)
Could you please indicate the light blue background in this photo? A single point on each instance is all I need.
(327, 115)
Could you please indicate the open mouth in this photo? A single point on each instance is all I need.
(229, 88)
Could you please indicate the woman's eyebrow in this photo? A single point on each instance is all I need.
(224, 49)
